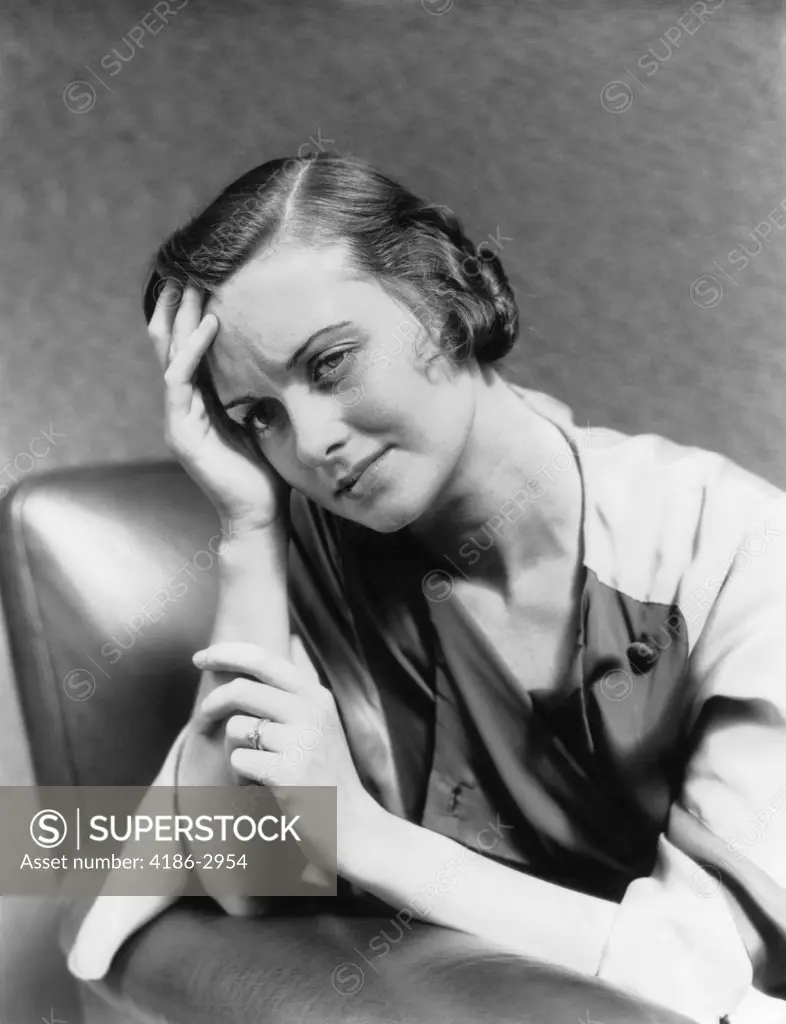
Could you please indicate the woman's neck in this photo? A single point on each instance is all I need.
(514, 499)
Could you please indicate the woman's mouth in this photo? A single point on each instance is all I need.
(368, 480)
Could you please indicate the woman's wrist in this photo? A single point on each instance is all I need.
(242, 529)
(361, 837)
(243, 542)
(253, 603)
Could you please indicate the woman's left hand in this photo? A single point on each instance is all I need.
(303, 744)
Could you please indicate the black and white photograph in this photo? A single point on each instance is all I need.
(393, 512)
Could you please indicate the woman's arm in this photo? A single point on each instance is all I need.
(252, 607)
(438, 880)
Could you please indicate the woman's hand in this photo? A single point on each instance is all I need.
(246, 491)
(304, 743)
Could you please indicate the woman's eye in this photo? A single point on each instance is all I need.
(330, 364)
(260, 417)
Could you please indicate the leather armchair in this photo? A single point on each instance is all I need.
(108, 584)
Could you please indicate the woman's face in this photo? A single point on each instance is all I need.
(330, 372)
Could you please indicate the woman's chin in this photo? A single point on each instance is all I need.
(398, 507)
(386, 515)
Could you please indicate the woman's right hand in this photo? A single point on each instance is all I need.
(246, 491)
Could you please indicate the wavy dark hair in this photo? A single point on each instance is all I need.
(415, 250)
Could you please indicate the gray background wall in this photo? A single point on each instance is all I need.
(609, 216)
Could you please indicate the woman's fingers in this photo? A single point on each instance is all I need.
(256, 765)
(265, 760)
(186, 358)
(188, 318)
(247, 697)
(177, 315)
(256, 661)
(273, 735)
(160, 327)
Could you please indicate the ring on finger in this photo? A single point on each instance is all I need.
(255, 737)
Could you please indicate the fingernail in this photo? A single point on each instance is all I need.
(199, 658)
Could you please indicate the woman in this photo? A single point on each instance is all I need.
(565, 641)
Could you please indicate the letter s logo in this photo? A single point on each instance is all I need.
(48, 828)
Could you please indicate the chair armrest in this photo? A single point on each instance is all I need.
(195, 965)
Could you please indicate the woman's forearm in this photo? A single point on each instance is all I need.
(253, 608)
(252, 604)
(440, 881)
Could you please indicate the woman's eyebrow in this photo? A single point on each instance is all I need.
(317, 334)
(241, 399)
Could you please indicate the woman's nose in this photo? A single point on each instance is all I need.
(319, 429)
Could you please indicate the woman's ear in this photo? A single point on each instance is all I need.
(427, 348)
(442, 359)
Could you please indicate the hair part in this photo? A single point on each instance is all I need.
(417, 251)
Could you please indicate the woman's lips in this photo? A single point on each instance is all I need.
(367, 479)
